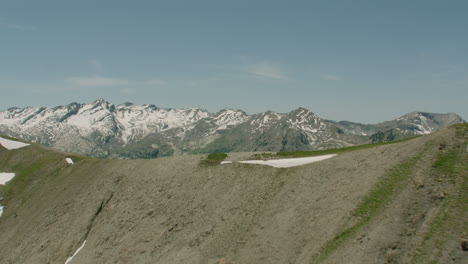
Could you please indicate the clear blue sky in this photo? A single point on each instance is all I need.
(364, 61)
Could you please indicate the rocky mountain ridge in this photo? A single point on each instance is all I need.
(102, 129)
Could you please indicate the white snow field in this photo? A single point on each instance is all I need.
(226, 162)
(6, 177)
(69, 161)
(10, 144)
(76, 252)
(287, 163)
(1, 210)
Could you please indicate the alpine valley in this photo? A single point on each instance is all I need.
(102, 129)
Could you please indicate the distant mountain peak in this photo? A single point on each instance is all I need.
(300, 109)
(102, 129)
(99, 101)
(128, 104)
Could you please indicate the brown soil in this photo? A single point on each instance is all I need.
(174, 210)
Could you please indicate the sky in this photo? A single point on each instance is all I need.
(362, 61)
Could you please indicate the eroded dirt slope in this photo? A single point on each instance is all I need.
(174, 210)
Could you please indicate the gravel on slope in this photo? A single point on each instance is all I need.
(172, 210)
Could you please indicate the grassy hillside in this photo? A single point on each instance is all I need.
(380, 203)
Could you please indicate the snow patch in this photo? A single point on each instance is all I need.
(226, 162)
(1, 210)
(229, 118)
(287, 163)
(76, 252)
(6, 177)
(422, 130)
(10, 144)
(136, 122)
(69, 161)
(307, 123)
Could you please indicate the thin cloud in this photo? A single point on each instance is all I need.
(331, 77)
(5, 24)
(99, 81)
(96, 64)
(96, 81)
(127, 91)
(155, 82)
(266, 70)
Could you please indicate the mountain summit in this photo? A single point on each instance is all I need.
(102, 129)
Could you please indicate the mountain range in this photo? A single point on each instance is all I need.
(102, 129)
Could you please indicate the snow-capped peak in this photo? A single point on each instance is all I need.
(103, 129)
(138, 121)
(229, 117)
(305, 120)
(263, 121)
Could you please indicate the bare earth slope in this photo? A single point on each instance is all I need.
(175, 210)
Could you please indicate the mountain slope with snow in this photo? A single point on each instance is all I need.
(102, 129)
